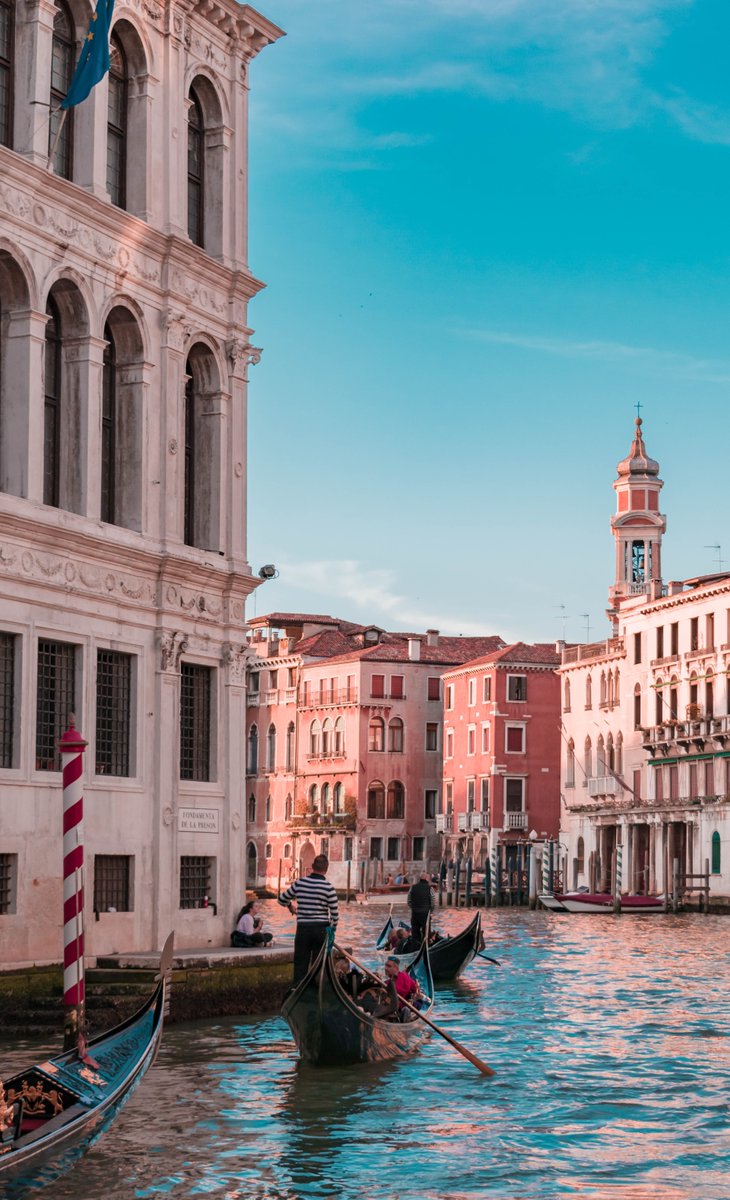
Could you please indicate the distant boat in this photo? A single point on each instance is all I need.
(602, 902)
(449, 956)
(53, 1111)
(331, 1030)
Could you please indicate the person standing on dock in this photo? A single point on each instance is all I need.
(316, 911)
(420, 902)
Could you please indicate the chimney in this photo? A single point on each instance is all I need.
(414, 649)
(559, 646)
(432, 637)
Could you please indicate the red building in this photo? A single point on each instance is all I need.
(501, 784)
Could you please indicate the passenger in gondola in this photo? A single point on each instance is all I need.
(350, 977)
(397, 939)
(405, 986)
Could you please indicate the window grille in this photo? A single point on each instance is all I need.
(7, 698)
(8, 868)
(55, 700)
(195, 876)
(195, 689)
(112, 876)
(113, 712)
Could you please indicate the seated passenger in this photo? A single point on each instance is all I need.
(405, 985)
(249, 931)
(397, 939)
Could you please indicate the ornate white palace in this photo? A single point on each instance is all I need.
(124, 349)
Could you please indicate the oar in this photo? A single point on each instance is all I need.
(477, 1062)
(486, 958)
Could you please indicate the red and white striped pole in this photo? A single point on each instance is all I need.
(72, 747)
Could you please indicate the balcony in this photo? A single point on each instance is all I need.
(328, 697)
(592, 650)
(604, 785)
(470, 821)
(318, 820)
(444, 822)
(515, 820)
(657, 738)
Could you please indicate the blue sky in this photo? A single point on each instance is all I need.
(488, 228)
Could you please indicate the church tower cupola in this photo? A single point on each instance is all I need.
(637, 526)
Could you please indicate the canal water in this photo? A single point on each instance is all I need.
(609, 1036)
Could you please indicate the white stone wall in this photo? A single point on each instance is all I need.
(133, 585)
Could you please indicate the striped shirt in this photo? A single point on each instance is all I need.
(316, 900)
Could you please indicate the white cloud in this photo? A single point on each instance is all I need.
(701, 122)
(372, 592)
(653, 360)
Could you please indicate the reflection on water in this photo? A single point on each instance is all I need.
(609, 1036)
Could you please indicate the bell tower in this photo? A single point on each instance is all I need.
(637, 526)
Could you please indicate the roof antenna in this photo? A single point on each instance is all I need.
(563, 616)
(718, 550)
(587, 618)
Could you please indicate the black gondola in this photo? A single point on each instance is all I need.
(331, 1030)
(450, 955)
(53, 1111)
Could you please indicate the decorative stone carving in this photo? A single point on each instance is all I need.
(241, 355)
(235, 657)
(176, 329)
(172, 646)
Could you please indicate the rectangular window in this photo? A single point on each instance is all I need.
(429, 804)
(485, 739)
(674, 634)
(710, 778)
(694, 633)
(450, 695)
(273, 680)
(432, 735)
(307, 698)
(660, 641)
(113, 712)
(348, 849)
(673, 782)
(7, 699)
(515, 739)
(485, 795)
(637, 647)
(513, 794)
(254, 681)
(659, 783)
(377, 686)
(449, 797)
(55, 700)
(8, 883)
(449, 743)
(471, 740)
(351, 687)
(376, 847)
(470, 795)
(393, 849)
(291, 677)
(196, 877)
(419, 849)
(472, 698)
(396, 687)
(6, 73)
(434, 688)
(516, 687)
(324, 846)
(195, 722)
(112, 883)
(487, 688)
(710, 631)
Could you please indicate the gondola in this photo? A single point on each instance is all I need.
(449, 956)
(329, 1028)
(53, 1112)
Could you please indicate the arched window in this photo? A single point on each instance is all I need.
(616, 687)
(7, 57)
(600, 757)
(659, 714)
(588, 759)
(673, 698)
(122, 420)
(63, 63)
(251, 864)
(314, 739)
(340, 737)
(52, 410)
(196, 170)
(109, 429)
(376, 801)
(570, 765)
(716, 853)
(610, 762)
(267, 809)
(580, 856)
(709, 695)
(253, 750)
(286, 852)
(116, 128)
(290, 733)
(339, 798)
(288, 808)
(15, 419)
(271, 748)
(589, 692)
(566, 696)
(376, 734)
(604, 690)
(251, 810)
(327, 736)
(637, 706)
(396, 801)
(325, 797)
(203, 433)
(395, 736)
(268, 850)
(619, 755)
(313, 798)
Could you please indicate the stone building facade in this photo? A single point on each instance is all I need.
(124, 350)
(646, 716)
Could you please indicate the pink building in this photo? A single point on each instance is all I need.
(501, 785)
(344, 745)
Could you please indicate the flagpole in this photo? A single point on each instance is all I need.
(51, 156)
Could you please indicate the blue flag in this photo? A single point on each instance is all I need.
(93, 61)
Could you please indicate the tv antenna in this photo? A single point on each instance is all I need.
(587, 618)
(563, 616)
(716, 546)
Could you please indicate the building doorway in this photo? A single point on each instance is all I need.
(306, 858)
(251, 865)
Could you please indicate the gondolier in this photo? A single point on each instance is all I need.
(420, 902)
(316, 911)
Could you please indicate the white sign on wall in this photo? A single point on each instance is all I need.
(197, 820)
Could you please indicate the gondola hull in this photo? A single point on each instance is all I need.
(331, 1030)
(84, 1097)
(448, 957)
